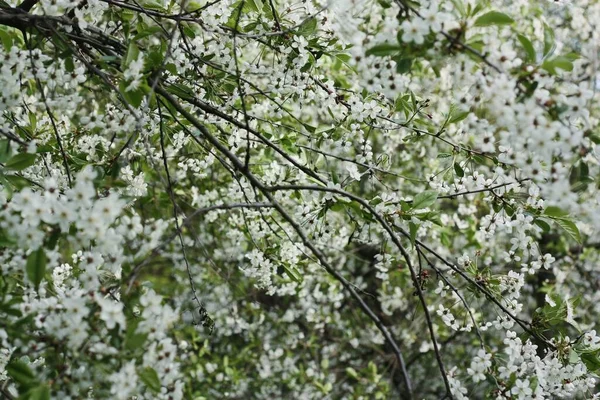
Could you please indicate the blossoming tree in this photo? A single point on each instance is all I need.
(299, 199)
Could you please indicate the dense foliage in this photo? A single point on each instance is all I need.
(299, 199)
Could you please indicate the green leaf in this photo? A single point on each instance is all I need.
(424, 199)
(595, 138)
(383, 49)
(549, 41)
(7, 240)
(579, 172)
(458, 170)
(563, 63)
(240, 8)
(497, 206)
(528, 46)
(6, 38)
(402, 104)
(403, 65)
(181, 91)
(560, 62)
(479, 159)
(494, 18)
(134, 97)
(150, 31)
(20, 372)
(292, 272)
(570, 227)
(351, 372)
(591, 361)
(542, 224)
(153, 5)
(256, 5)
(32, 121)
(571, 56)
(132, 54)
(150, 378)
(458, 116)
(250, 27)
(188, 31)
(134, 341)
(20, 161)
(554, 315)
(555, 212)
(413, 231)
(36, 266)
(477, 8)
(343, 57)
(460, 7)
(5, 150)
(41, 392)
(308, 27)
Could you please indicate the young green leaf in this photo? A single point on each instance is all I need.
(549, 41)
(413, 232)
(528, 47)
(494, 18)
(458, 170)
(557, 62)
(458, 116)
(292, 273)
(403, 65)
(133, 53)
(36, 266)
(150, 378)
(384, 49)
(20, 161)
(555, 212)
(20, 372)
(569, 227)
(542, 224)
(41, 392)
(5, 150)
(308, 27)
(424, 199)
(591, 361)
(257, 5)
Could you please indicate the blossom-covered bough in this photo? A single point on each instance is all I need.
(299, 199)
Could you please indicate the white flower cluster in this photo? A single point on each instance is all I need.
(318, 180)
(80, 308)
